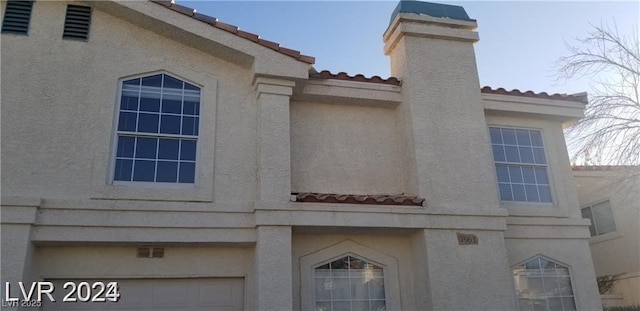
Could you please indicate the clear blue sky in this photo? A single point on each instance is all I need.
(519, 41)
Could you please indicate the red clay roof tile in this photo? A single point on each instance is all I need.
(579, 98)
(326, 74)
(381, 199)
(234, 30)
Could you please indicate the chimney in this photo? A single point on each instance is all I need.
(445, 134)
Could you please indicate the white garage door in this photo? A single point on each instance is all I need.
(219, 294)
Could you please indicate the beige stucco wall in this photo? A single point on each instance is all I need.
(65, 107)
(615, 252)
(345, 149)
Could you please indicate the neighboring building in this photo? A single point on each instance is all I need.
(202, 167)
(610, 197)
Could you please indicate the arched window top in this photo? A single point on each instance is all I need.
(348, 263)
(543, 284)
(157, 130)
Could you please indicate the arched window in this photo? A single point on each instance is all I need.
(543, 285)
(349, 284)
(157, 130)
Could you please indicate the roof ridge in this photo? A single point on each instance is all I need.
(579, 97)
(214, 22)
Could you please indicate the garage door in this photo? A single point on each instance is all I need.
(220, 294)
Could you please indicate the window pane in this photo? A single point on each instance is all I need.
(515, 174)
(376, 286)
(359, 288)
(149, 102)
(533, 264)
(526, 155)
(189, 125)
(545, 193)
(135, 82)
(125, 146)
(146, 148)
(167, 171)
(503, 173)
(144, 170)
(127, 121)
(341, 288)
(170, 124)
(172, 83)
(360, 305)
(496, 136)
(342, 306)
(536, 138)
(188, 150)
(171, 106)
(505, 192)
(604, 217)
(323, 306)
(523, 137)
(187, 172)
(509, 136)
(191, 107)
(129, 101)
(518, 192)
(498, 153)
(168, 149)
(148, 123)
(528, 175)
(541, 176)
(155, 81)
(512, 154)
(323, 288)
(532, 193)
(525, 304)
(378, 305)
(123, 170)
(538, 153)
(565, 286)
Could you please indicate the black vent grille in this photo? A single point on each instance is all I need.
(76, 23)
(16, 17)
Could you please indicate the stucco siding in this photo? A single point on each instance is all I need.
(65, 104)
(345, 149)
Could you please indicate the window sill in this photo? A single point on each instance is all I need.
(605, 237)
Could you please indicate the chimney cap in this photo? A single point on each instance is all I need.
(431, 9)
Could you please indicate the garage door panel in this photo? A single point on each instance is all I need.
(219, 294)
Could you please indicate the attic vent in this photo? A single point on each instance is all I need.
(16, 17)
(76, 23)
(150, 252)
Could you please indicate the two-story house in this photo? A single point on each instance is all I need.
(202, 167)
(610, 197)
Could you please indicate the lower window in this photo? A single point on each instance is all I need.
(543, 285)
(349, 284)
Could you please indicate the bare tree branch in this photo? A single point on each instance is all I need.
(609, 134)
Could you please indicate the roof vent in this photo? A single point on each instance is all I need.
(76, 23)
(16, 17)
(150, 252)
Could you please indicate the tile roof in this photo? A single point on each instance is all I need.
(359, 199)
(579, 98)
(326, 74)
(234, 30)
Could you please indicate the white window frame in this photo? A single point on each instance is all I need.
(117, 133)
(568, 267)
(104, 155)
(388, 264)
(595, 221)
(546, 166)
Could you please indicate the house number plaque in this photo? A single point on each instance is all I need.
(467, 239)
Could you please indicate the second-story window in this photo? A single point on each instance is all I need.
(601, 218)
(521, 164)
(157, 130)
